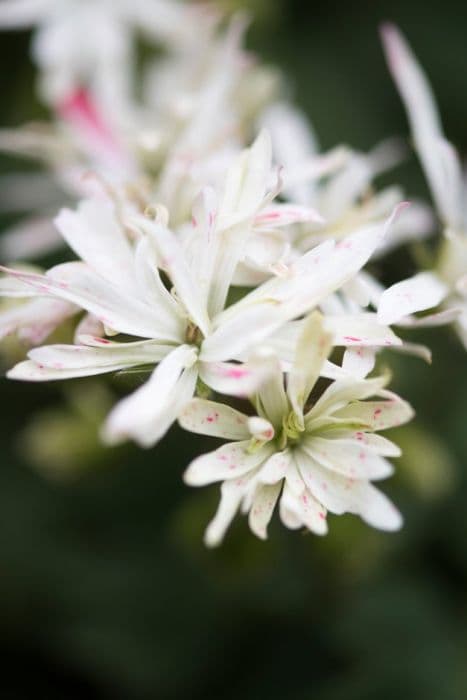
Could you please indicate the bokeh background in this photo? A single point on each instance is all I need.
(106, 590)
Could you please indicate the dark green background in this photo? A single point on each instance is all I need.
(106, 590)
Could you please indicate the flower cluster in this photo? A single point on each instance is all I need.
(219, 250)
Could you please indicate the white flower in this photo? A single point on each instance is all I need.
(188, 331)
(163, 150)
(338, 184)
(312, 454)
(91, 41)
(442, 168)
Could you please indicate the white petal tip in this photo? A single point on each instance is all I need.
(212, 539)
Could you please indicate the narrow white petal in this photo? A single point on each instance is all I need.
(415, 350)
(297, 511)
(277, 215)
(351, 458)
(231, 248)
(35, 319)
(231, 495)
(341, 392)
(380, 444)
(96, 236)
(262, 508)
(241, 332)
(423, 291)
(343, 190)
(359, 361)
(244, 193)
(373, 441)
(441, 172)
(360, 330)
(207, 240)
(234, 379)
(271, 397)
(294, 479)
(377, 510)
(246, 181)
(173, 260)
(313, 348)
(340, 495)
(78, 284)
(148, 413)
(231, 461)
(153, 291)
(275, 468)
(294, 144)
(29, 371)
(216, 419)
(99, 352)
(12, 286)
(440, 318)
(377, 415)
(416, 223)
(288, 509)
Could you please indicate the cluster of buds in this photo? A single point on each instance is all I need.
(221, 255)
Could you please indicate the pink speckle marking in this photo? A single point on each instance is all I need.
(352, 339)
(377, 413)
(268, 216)
(322, 516)
(102, 341)
(236, 372)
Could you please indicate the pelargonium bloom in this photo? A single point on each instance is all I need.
(188, 331)
(312, 454)
(443, 171)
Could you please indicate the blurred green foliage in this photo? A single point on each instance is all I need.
(106, 590)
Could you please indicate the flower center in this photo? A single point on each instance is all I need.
(292, 429)
(193, 335)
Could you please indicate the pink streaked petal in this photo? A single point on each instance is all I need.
(234, 379)
(285, 214)
(81, 112)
